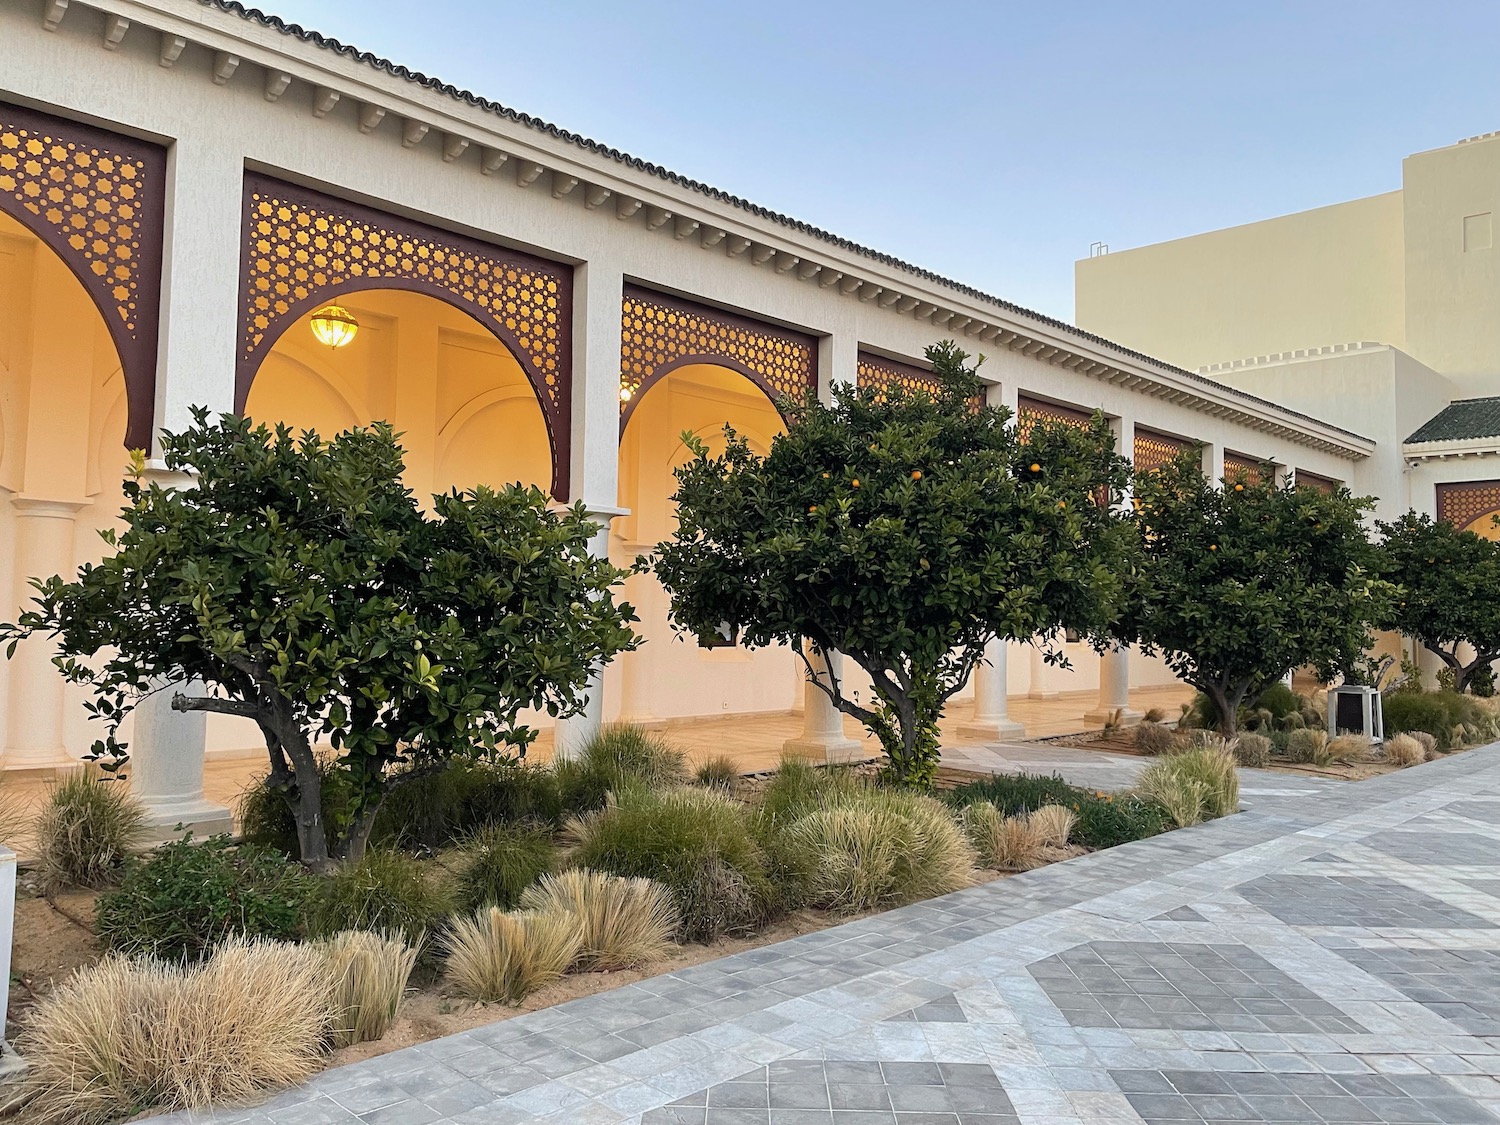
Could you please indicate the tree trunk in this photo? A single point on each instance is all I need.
(353, 844)
(312, 836)
(1227, 702)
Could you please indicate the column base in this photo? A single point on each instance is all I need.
(834, 751)
(39, 768)
(993, 730)
(1042, 694)
(1101, 717)
(645, 722)
(201, 817)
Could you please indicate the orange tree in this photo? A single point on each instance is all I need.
(297, 583)
(1236, 585)
(905, 530)
(1448, 580)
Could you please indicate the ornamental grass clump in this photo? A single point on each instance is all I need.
(386, 892)
(86, 831)
(1152, 738)
(1103, 819)
(499, 863)
(696, 842)
(1252, 750)
(499, 956)
(369, 972)
(868, 848)
(1005, 843)
(622, 923)
(1308, 747)
(1403, 750)
(1053, 824)
(1193, 786)
(126, 1035)
(719, 772)
(620, 756)
(1349, 748)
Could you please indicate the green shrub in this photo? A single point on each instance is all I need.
(266, 819)
(1193, 786)
(719, 772)
(1308, 746)
(386, 892)
(696, 842)
(1446, 715)
(499, 863)
(618, 756)
(798, 787)
(442, 808)
(1253, 750)
(186, 897)
(1104, 820)
(86, 830)
(1280, 700)
(867, 848)
(1152, 738)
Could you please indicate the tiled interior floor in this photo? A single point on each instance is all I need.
(1286, 965)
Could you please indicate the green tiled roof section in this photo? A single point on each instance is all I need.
(1465, 418)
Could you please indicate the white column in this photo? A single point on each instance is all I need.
(1213, 463)
(1040, 685)
(823, 735)
(1114, 665)
(595, 470)
(644, 593)
(44, 547)
(167, 748)
(992, 719)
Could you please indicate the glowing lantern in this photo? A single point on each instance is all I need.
(334, 325)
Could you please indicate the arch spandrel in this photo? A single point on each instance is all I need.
(880, 372)
(303, 249)
(1467, 505)
(98, 200)
(659, 334)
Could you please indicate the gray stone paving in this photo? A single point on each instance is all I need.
(1331, 954)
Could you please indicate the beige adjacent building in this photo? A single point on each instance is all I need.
(1379, 314)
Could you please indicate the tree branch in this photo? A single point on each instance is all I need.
(182, 702)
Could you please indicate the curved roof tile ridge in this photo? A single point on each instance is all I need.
(379, 62)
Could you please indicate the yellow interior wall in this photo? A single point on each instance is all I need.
(466, 412)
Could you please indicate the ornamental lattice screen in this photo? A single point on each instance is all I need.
(1239, 467)
(880, 372)
(97, 199)
(1031, 411)
(1152, 449)
(303, 248)
(1326, 485)
(1462, 503)
(659, 334)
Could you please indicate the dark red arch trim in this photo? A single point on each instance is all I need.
(67, 198)
(344, 249)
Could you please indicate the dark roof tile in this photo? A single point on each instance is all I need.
(1461, 419)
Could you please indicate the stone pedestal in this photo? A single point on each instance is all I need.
(823, 737)
(992, 720)
(1114, 690)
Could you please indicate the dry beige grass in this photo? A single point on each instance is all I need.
(1053, 825)
(124, 1035)
(369, 972)
(1152, 738)
(1348, 748)
(1006, 843)
(1403, 750)
(497, 955)
(1428, 743)
(85, 831)
(624, 923)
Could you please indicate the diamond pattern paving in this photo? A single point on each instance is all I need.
(1461, 985)
(1182, 987)
(1440, 849)
(1169, 1097)
(812, 1092)
(1347, 900)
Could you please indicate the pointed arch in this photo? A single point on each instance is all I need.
(303, 249)
(98, 199)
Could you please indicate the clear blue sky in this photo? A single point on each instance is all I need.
(990, 141)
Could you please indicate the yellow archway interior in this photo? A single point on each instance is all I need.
(670, 676)
(466, 413)
(1484, 526)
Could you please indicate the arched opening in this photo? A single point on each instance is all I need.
(465, 410)
(671, 676)
(63, 421)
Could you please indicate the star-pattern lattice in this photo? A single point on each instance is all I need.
(880, 372)
(97, 199)
(1031, 411)
(1463, 503)
(1152, 450)
(301, 246)
(1245, 469)
(657, 332)
(1326, 485)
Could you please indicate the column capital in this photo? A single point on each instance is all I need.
(41, 507)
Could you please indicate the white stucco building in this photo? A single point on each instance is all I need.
(183, 182)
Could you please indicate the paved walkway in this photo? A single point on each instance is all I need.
(1330, 955)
